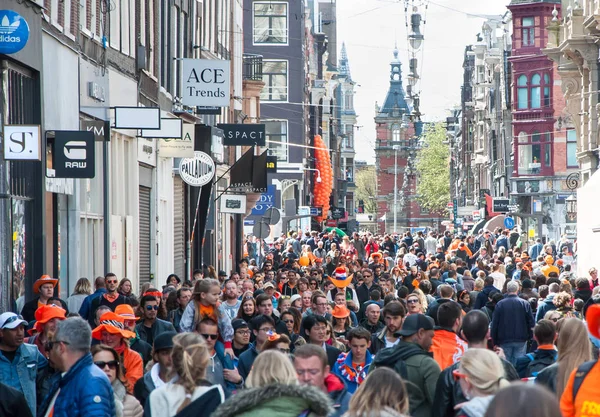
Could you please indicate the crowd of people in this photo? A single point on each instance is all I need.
(319, 324)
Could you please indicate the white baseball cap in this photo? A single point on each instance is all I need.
(11, 320)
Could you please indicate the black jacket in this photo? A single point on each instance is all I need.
(448, 392)
(144, 349)
(333, 354)
(583, 294)
(143, 387)
(548, 376)
(544, 358)
(378, 341)
(482, 297)
(364, 294)
(158, 327)
(13, 403)
(373, 329)
(29, 308)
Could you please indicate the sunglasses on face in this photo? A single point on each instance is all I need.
(150, 308)
(412, 301)
(210, 336)
(111, 364)
(111, 281)
(49, 345)
(288, 321)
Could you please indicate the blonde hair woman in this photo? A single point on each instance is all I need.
(83, 288)
(190, 358)
(480, 375)
(574, 348)
(274, 391)
(382, 394)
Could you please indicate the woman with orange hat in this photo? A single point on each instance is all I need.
(44, 288)
(341, 322)
(112, 333)
(47, 316)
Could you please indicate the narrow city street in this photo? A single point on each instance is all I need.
(299, 208)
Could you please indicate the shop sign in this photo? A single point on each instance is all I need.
(14, 32)
(265, 202)
(337, 213)
(74, 154)
(22, 142)
(243, 134)
(500, 205)
(205, 82)
(233, 204)
(99, 128)
(271, 163)
(179, 148)
(197, 171)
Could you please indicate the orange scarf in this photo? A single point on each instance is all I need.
(208, 312)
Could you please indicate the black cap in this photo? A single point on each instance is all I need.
(238, 324)
(164, 341)
(222, 273)
(414, 323)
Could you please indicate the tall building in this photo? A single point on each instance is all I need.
(542, 158)
(396, 148)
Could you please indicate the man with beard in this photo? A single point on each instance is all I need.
(110, 298)
(231, 305)
(160, 372)
(393, 316)
(150, 326)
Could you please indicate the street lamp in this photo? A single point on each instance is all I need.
(415, 38)
(396, 147)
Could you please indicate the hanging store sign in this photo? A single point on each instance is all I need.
(14, 32)
(99, 128)
(243, 134)
(197, 171)
(205, 82)
(500, 205)
(179, 148)
(74, 154)
(271, 163)
(234, 204)
(22, 142)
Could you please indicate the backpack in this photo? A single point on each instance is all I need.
(536, 365)
(580, 375)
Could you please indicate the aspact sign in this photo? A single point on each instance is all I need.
(243, 134)
(197, 171)
(205, 82)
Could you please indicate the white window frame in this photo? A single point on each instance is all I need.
(287, 138)
(287, 82)
(287, 23)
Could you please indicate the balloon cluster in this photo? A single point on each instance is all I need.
(322, 190)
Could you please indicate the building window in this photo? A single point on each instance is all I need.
(536, 102)
(276, 132)
(546, 90)
(522, 92)
(534, 153)
(527, 31)
(572, 149)
(396, 134)
(270, 22)
(275, 77)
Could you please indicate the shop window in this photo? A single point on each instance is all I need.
(534, 153)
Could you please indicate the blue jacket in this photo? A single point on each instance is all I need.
(512, 321)
(84, 391)
(84, 310)
(345, 359)
(535, 251)
(482, 297)
(247, 360)
(544, 306)
(21, 374)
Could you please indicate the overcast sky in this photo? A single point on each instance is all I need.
(369, 29)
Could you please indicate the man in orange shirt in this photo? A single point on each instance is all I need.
(581, 396)
(448, 347)
(112, 333)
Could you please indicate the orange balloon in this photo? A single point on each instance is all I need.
(304, 261)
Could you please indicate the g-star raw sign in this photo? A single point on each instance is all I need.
(14, 32)
(197, 171)
(205, 82)
(74, 154)
(243, 134)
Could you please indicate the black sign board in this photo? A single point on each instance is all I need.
(259, 174)
(271, 163)
(241, 172)
(208, 110)
(99, 128)
(74, 154)
(500, 205)
(243, 134)
(337, 213)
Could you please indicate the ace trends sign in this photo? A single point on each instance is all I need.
(205, 82)
(74, 154)
(243, 134)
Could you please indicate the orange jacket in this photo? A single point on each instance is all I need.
(447, 347)
(587, 402)
(134, 367)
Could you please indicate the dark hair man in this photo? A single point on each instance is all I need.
(160, 372)
(315, 332)
(150, 325)
(393, 316)
(353, 366)
(529, 365)
(262, 327)
(110, 298)
(448, 393)
(447, 346)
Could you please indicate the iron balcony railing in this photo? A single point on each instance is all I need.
(253, 67)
